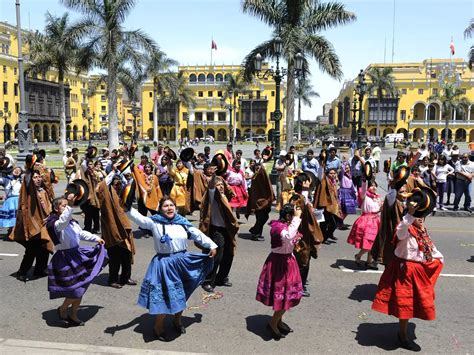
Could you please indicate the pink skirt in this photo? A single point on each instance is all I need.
(240, 196)
(364, 230)
(280, 283)
(406, 289)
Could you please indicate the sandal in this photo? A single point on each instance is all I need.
(358, 261)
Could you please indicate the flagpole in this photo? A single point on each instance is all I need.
(212, 41)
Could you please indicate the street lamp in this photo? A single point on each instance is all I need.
(6, 116)
(229, 107)
(135, 111)
(361, 90)
(277, 75)
(354, 122)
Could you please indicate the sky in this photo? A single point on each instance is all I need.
(184, 29)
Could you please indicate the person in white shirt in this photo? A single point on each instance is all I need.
(464, 173)
(376, 152)
(424, 152)
(441, 171)
(72, 268)
(243, 161)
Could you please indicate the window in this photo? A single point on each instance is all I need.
(221, 116)
(219, 94)
(273, 93)
(102, 86)
(209, 94)
(201, 78)
(150, 94)
(420, 91)
(435, 91)
(150, 116)
(103, 108)
(5, 106)
(210, 116)
(198, 116)
(15, 89)
(258, 94)
(192, 78)
(200, 94)
(185, 116)
(403, 115)
(5, 88)
(4, 69)
(17, 107)
(14, 71)
(404, 91)
(102, 98)
(210, 78)
(433, 75)
(219, 77)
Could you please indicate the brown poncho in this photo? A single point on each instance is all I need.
(148, 188)
(325, 196)
(46, 175)
(261, 194)
(196, 187)
(229, 219)
(92, 184)
(116, 228)
(33, 208)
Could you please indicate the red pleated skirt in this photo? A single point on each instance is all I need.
(406, 289)
(240, 196)
(364, 230)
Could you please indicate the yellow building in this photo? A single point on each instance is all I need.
(209, 117)
(412, 112)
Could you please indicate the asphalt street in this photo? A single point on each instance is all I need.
(336, 318)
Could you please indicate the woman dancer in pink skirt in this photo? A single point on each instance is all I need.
(280, 283)
(365, 228)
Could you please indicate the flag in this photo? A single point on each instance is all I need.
(451, 46)
(213, 45)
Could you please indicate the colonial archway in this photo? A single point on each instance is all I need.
(37, 132)
(238, 134)
(184, 133)
(84, 132)
(74, 133)
(54, 133)
(404, 131)
(450, 134)
(7, 130)
(150, 133)
(45, 133)
(433, 111)
(222, 135)
(418, 134)
(419, 111)
(433, 133)
(68, 132)
(387, 131)
(373, 132)
(199, 133)
(211, 132)
(260, 131)
(460, 135)
(172, 135)
(471, 136)
(161, 133)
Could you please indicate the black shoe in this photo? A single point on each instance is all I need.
(129, 282)
(332, 237)
(22, 278)
(326, 242)
(285, 328)
(408, 344)
(306, 293)
(161, 337)
(467, 209)
(275, 335)
(371, 266)
(455, 208)
(179, 328)
(208, 288)
(74, 323)
(225, 283)
(115, 285)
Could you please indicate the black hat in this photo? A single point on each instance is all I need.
(220, 161)
(267, 153)
(368, 171)
(146, 149)
(41, 152)
(128, 195)
(53, 177)
(131, 151)
(124, 164)
(80, 190)
(425, 200)
(91, 152)
(386, 165)
(323, 156)
(400, 177)
(186, 154)
(170, 152)
(30, 161)
(4, 162)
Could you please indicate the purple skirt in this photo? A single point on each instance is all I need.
(348, 200)
(280, 283)
(71, 271)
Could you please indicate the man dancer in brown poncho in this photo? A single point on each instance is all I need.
(30, 229)
(261, 197)
(116, 230)
(218, 222)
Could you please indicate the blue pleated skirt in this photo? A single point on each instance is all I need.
(171, 279)
(8, 212)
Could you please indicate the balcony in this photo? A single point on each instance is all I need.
(441, 124)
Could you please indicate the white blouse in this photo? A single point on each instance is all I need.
(70, 232)
(177, 233)
(12, 186)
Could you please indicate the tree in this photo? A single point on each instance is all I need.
(468, 34)
(298, 23)
(58, 48)
(233, 86)
(182, 94)
(451, 98)
(304, 93)
(113, 46)
(381, 82)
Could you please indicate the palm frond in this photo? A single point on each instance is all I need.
(264, 10)
(327, 15)
(320, 49)
(469, 29)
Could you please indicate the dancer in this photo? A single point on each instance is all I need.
(91, 207)
(173, 273)
(178, 192)
(280, 285)
(149, 189)
(236, 180)
(72, 268)
(8, 211)
(406, 288)
(347, 192)
(366, 227)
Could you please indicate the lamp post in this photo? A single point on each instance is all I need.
(278, 74)
(229, 107)
(354, 122)
(361, 89)
(135, 111)
(6, 116)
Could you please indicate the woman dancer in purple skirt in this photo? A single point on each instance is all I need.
(280, 283)
(72, 268)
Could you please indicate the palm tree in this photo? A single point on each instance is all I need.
(59, 48)
(304, 93)
(381, 82)
(452, 99)
(468, 34)
(233, 86)
(157, 69)
(298, 23)
(182, 94)
(114, 47)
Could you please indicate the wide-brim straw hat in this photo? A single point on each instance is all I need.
(186, 154)
(80, 190)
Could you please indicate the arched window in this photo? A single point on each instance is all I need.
(219, 77)
(227, 77)
(210, 78)
(192, 78)
(201, 78)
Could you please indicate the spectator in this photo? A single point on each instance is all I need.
(207, 154)
(243, 161)
(442, 170)
(310, 163)
(333, 161)
(464, 173)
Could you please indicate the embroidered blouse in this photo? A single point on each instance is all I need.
(370, 203)
(12, 186)
(235, 178)
(407, 247)
(177, 236)
(70, 232)
(288, 236)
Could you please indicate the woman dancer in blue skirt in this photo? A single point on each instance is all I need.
(12, 185)
(173, 273)
(72, 268)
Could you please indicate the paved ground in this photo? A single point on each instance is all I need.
(336, 318)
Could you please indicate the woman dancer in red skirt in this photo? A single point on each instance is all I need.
(280, 283)
(406, 288)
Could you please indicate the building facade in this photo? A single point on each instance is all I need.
(413, 112)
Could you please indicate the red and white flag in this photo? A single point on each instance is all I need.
(213, 45)
(451, 47)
